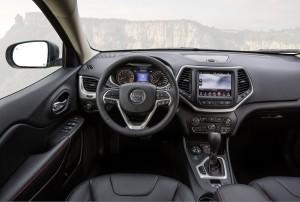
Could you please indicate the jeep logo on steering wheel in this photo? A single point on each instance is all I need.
(137, 96)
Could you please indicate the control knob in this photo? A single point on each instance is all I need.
(196, 121)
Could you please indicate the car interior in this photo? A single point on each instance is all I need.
(182, 124)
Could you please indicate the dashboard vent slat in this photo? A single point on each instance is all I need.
(185, 81)
(243, 82)
(90, 84)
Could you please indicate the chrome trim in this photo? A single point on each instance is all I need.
(207, 176)
(129, 124)
(112, 82)
(198, 109)
(84, 94)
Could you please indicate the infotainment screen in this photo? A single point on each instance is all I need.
(215, 84)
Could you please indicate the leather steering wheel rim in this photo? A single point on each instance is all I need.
(172, 89)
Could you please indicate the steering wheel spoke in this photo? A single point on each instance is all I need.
(111, 96)
(163, 97)
(134, 125)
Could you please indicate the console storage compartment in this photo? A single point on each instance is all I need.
(239, 192)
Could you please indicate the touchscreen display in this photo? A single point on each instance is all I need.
(215, 84)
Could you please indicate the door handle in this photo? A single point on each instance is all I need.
(59, 106)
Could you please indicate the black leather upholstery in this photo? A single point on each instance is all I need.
(279, 188)
(238, 192)
(131, 187)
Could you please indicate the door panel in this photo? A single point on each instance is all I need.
(34, 140)
(30, 105)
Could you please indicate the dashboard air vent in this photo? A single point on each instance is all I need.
(90, 84)
(243, 83)
(185, 81)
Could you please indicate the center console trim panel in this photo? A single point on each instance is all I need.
(215, 68)
(207, 176)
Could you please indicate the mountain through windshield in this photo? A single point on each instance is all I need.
(215, 24)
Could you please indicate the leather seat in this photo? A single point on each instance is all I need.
(279, 188)
(131, 187)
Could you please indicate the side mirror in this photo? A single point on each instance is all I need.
(33, 54)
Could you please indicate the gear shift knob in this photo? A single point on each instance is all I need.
(213, 165)
(214, 140)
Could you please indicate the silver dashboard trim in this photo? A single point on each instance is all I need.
(211, 110)
(84, 94)
(207, 176)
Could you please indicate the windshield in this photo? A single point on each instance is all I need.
(215, 24)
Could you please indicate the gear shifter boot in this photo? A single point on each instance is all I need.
(214, 167)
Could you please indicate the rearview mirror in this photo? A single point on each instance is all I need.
(33, 54)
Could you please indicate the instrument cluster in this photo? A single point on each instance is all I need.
(140, 73)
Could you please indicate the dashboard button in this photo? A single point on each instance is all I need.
(218, 119)
(203, 119)
(227, 121)
(228, 102)
(211, 127)
(225, 130)
(203, 102)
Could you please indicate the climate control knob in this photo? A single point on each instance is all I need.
(88, 106)
(195, 121)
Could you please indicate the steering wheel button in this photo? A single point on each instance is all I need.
(162, 95)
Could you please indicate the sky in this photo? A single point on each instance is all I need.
(10, 8)
(225, 14)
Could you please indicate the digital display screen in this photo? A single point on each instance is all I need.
(215, 84)
(142, 76)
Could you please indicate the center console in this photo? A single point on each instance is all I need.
(211, 94)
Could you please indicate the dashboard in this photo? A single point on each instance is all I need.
(218, 89)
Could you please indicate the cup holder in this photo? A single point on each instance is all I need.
(207, 197)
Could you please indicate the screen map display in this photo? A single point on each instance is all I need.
(215, 84)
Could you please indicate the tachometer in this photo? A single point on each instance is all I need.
(125, 76)
(158, 78)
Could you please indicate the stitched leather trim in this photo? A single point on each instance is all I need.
(91, 190)
(261, 189)
(286, 188)
(219, 195)
(174, 195)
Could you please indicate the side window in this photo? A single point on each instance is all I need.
(23, 21)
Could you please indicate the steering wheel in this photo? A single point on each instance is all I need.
(137, 98)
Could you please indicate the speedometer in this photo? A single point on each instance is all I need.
(158, 78)
(125, 76)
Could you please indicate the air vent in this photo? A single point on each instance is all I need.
(90, 84)
(243, 83)
(185, 81)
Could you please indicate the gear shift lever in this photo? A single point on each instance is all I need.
(213, 165)
(214, 140)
